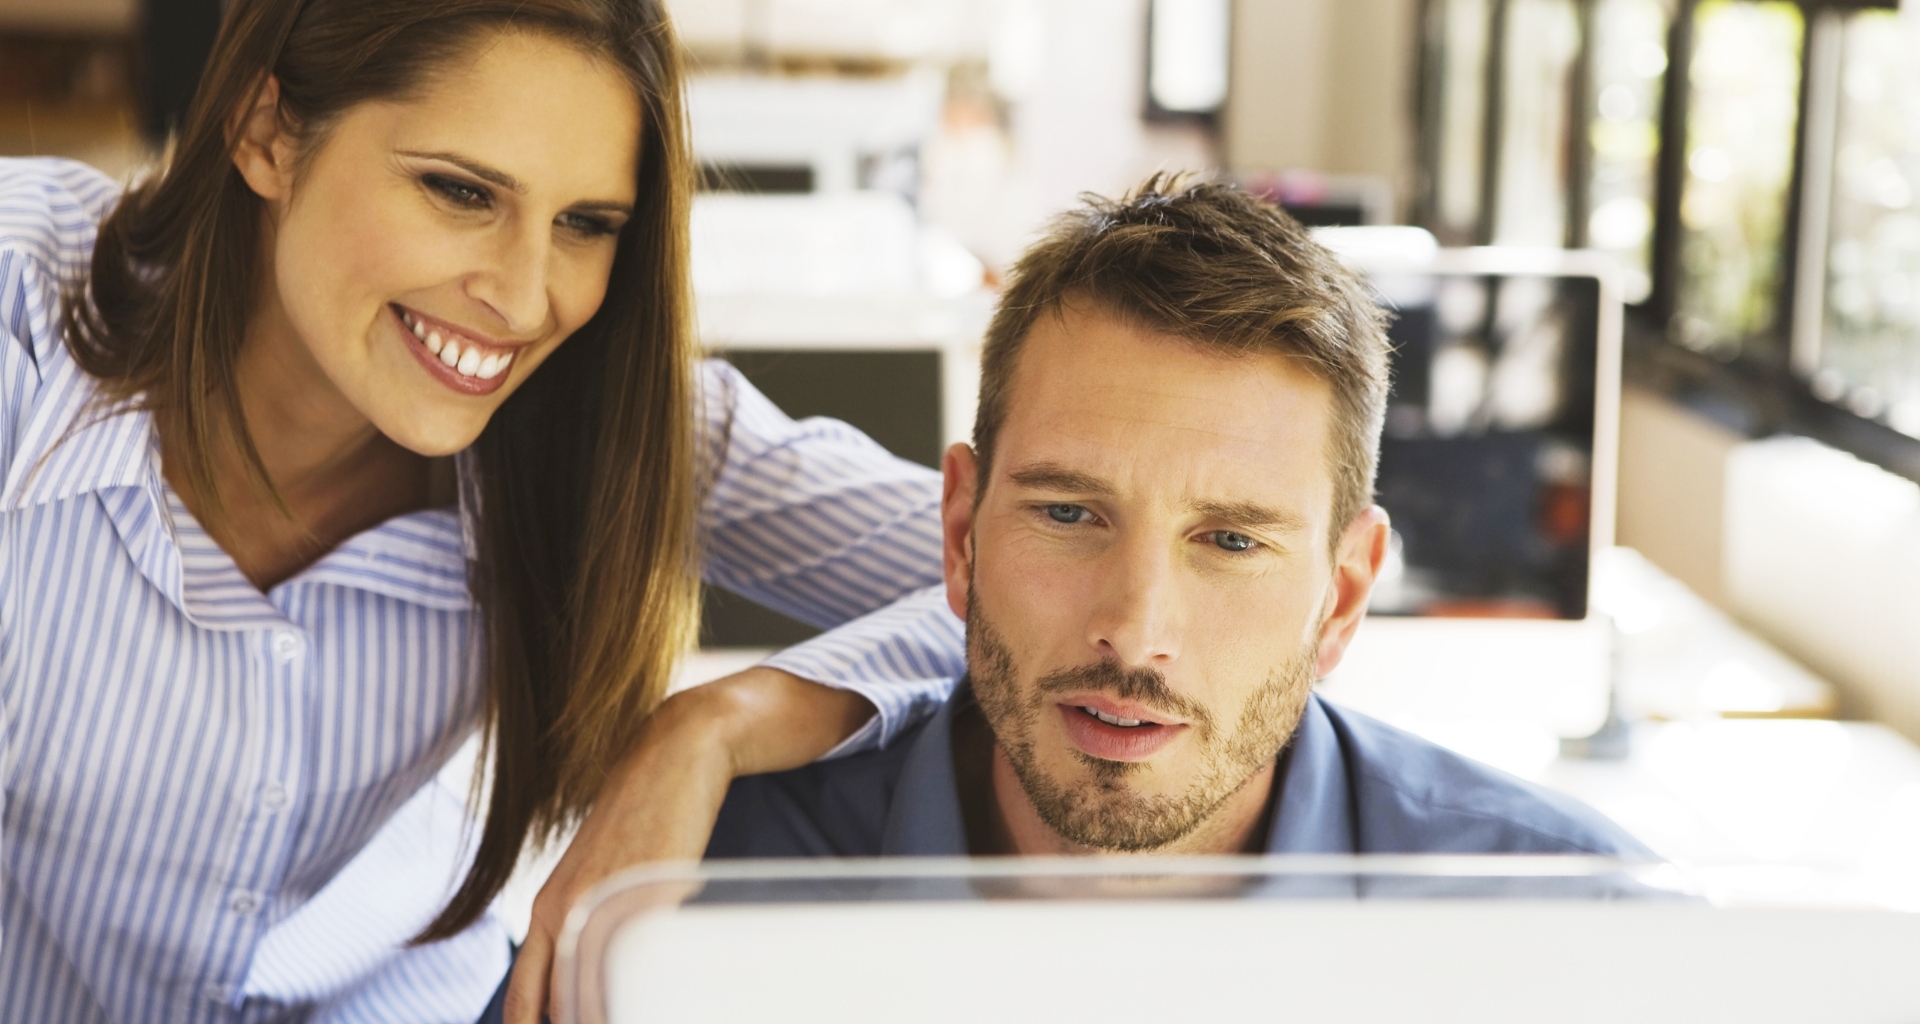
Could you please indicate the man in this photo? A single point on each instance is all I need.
(1163, 534)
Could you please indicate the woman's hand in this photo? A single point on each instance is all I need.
(661, 802)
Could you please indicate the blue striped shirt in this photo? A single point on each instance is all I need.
(224, 805)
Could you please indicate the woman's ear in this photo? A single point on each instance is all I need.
(262, 150)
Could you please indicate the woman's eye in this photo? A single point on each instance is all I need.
(1066, 513)
(459, 193)
(587, 226)
(1227, 540)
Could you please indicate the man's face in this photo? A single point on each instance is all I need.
(1146, 575)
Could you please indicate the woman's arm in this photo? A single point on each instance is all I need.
(661, 802)
(816, 521)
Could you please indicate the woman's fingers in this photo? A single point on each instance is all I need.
(660, 803)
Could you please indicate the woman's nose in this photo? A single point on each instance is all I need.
(515, 286)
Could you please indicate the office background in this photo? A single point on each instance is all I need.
(870, 168)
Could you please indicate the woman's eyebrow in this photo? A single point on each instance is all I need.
(494, 176)
(490, 175)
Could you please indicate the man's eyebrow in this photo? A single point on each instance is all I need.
(1250, 514)
(490, 175)
(1046, 476)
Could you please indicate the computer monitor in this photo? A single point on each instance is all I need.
(1498, 469)
(1483, 939)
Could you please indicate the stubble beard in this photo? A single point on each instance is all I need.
(1103, 811)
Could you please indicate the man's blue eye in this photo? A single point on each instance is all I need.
(1227, 540)
(1065, 513)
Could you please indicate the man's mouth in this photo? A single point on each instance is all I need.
(1124, 723)
(1108, 734)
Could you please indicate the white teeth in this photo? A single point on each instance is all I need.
(468, 360)
(1124, 723)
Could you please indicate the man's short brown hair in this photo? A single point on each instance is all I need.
(1208, 263)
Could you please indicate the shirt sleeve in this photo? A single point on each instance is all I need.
(816, 521)
(904, 658)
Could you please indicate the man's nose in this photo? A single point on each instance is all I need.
(1137, 615)
(514, 284)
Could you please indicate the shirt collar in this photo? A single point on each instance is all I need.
(75, 444)
(1316, 802)
(1315, 813)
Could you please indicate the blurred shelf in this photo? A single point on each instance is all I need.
(88, 17)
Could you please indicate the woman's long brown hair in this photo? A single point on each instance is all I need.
(584, 497)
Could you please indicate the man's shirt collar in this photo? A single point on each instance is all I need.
(1315, 814)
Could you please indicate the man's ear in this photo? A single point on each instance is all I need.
(262, 150)
(956, 524)
(1357, 562)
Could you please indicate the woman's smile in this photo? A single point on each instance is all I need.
(455, 357)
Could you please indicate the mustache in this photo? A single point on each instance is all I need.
(1143, 685)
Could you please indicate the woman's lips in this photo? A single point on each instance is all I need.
(1097, 738)
(454, 359)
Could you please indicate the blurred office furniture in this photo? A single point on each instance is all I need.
(1335, 938)
(76, 17)
(775, 134)
(855, 34)
(67, 82)
(842, 305)
(1188, 44)
(1325, 200)
(176, 38)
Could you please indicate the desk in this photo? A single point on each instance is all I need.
(1732, 770)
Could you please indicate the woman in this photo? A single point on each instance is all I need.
(369, 419)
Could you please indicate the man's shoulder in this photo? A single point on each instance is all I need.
(834, 808)
(1414, 796)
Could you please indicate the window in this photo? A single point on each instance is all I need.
(1860, 342)
(1623, 134)
(1743, 82)
(1752, 165)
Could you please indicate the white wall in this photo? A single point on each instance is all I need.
(1324, 85)
(1673, 466)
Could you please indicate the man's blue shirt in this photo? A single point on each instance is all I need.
(1348, 784)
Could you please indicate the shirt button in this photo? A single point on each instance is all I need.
(274, 797)
(286, 646)
(244, 903)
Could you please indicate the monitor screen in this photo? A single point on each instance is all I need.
(1486, 464)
